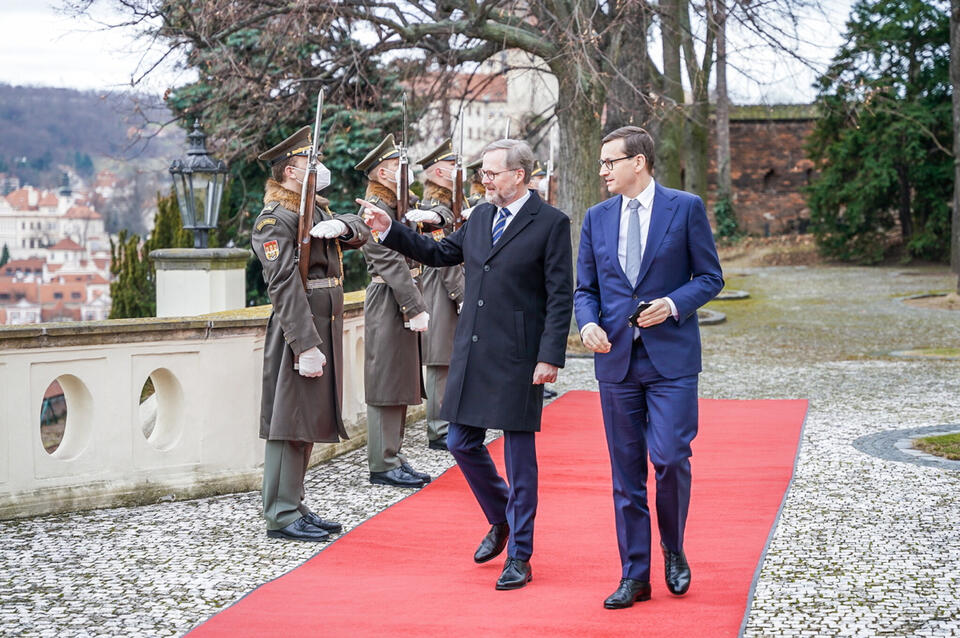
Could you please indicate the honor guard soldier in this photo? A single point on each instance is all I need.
(300, 405)
(394, 313)
(477, 192)
(442, 287)
(536, 179)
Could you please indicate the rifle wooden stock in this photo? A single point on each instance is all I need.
(458, 199)
(308, 201)
(403, 192)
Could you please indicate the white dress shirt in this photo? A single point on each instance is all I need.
(514, 208)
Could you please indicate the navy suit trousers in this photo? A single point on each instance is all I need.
(515, 504)
(648, 413)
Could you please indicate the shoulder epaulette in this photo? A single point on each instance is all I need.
(269, 208)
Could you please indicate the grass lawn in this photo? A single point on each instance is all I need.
(947, 445)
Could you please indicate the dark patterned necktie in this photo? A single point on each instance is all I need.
(501, 224)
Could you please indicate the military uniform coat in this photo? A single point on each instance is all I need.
(518, 299)
(391, 367)
(293, 407)
(442, 287)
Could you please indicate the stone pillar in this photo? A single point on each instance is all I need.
(196, 281)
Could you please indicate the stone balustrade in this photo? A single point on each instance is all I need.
(197, 435)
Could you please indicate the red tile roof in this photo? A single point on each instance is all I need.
(33, 264)
(66, 244)
(48, 199)
(475, 86)
(20, 199)
(82, 212)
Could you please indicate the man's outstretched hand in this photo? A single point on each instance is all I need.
(373, 216)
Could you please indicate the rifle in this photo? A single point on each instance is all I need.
(458, 179)
(403, 183)
(308, 198)
(549, 176)
(308, 202)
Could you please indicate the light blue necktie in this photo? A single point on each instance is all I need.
(634, 249)
(501, 224)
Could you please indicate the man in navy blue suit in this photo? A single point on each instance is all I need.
(511, 338)
(652, 245)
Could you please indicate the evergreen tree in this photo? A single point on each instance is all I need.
(4, 256)
(882, 142)
(134, 290)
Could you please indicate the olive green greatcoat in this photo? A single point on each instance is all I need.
(293, 407)
(391, 370)
(442, 287)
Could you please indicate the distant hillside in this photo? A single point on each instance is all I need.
(42, 128)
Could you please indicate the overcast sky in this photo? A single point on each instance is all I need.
(41, 47)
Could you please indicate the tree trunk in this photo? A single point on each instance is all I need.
(669, 165)
(627, 101)
(955, 81)
(724, 185)
(906, 220)
(578, 185)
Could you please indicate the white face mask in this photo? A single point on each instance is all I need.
(323, 177)
(396, 176)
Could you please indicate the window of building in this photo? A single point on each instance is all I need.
(58, 295)
(75, 295)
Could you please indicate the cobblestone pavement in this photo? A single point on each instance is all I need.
(865, 546)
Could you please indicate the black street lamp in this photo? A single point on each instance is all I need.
(199, 181)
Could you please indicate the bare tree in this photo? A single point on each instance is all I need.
(955, 81)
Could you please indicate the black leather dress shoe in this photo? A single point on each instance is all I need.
(516, 574)
(630, 591)
(438, 443)
(327, 526)
(423, 476)
(676, 570)
(548, 393)
(395, 477)
(493, 543)
(300, 530)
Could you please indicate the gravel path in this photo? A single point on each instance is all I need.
(867, 545)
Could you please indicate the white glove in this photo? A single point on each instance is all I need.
(329, 229)
(312, 362)
(459, 307)
(417, 216)
(419, 323)
(465, 213)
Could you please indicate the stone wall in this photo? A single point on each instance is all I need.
(769, 167)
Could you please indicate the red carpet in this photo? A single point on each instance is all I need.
(409, 571)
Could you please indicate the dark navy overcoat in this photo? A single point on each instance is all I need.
(518, 300)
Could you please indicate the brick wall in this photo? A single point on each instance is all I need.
(768, 167)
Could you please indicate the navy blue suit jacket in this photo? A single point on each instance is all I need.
(516, 310)
(679, 261)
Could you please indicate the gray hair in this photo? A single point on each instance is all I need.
(519, 155)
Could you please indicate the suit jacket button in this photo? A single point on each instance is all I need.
(634, 297)
(474, 338)
(486, 268)
(480, 303)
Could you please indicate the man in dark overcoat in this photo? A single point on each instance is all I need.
(510, 339)
(442, 287)
(394, 313)
(300, 407)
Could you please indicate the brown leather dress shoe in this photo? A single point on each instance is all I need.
(630, 591)
(493, 543)
(516, 574)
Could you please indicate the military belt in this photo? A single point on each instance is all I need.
(377, 279)
(327, 282)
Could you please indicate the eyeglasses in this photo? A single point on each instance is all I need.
(608, 163)
(491, 175)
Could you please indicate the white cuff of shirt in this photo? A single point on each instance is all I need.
(673, 308)
(584, 328)
(382, 236)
